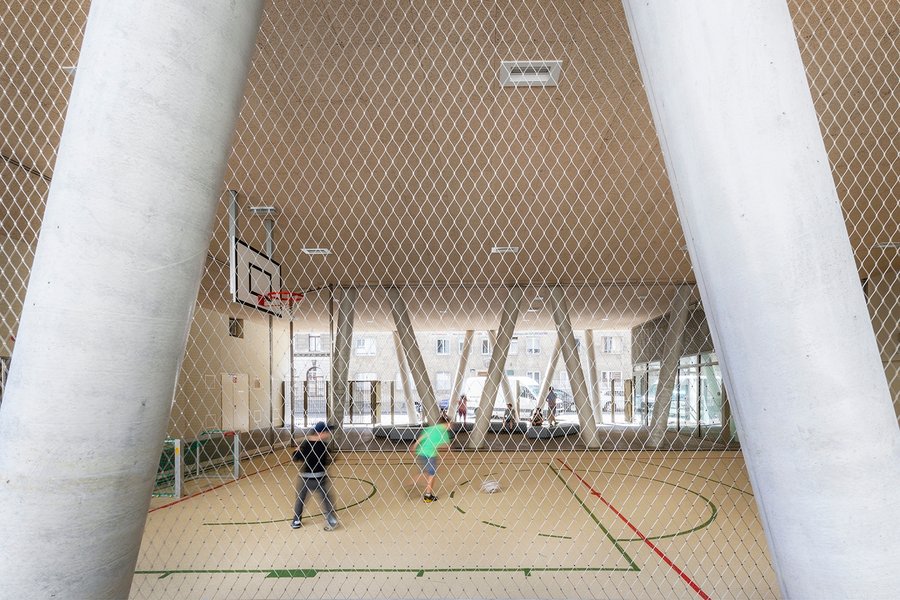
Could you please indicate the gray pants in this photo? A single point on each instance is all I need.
(319, 484)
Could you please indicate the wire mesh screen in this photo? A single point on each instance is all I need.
(506, 257)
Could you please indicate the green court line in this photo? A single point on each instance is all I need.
(494, 525)
(306, 573)
(614, 541)
(647, 462)
(714, 511)
(561, 537)
(357, 503)
(459, 509)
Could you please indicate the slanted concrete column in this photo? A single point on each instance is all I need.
(668, 367)
(414, 358)
(549, 372)
(460, 373)
(496, 365)
(778, 280)
(112, 289)
(340, 365)
(404, 380)
(596, 399)
(560, 308)
(505, 388)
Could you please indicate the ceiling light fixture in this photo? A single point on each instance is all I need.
(316, 251)
(264, 211)
(515, 73)
(886, 245)
(69, 70)
(505, 249)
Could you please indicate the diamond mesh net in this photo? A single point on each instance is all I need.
(415, 197)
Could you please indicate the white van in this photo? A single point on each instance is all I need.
(528, 391)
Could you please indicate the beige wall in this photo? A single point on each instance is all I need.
(211, 352)
(15, 266)
(883, 293)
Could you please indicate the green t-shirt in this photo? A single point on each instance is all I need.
(432, 439)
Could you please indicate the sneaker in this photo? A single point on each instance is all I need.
(429, 497)
(330, 526)
(296, 524)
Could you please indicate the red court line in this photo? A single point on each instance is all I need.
(215, 487)
(659, 552)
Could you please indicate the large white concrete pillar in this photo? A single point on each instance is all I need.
(495, 374)
(776, 273)
(460, 373)
(505, 388)
(669, 362)
(430, 409)
(340, 364)
(596, 399)
(560, 307)
(112, 289)
(549, 372)
(413, 418)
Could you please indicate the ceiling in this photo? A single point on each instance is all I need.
(379, 130)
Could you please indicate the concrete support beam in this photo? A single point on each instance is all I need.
(596, 399)
(340, 364)
(150, 106)
(403, 368)
(414, 358)
(779, 283)
(560, 307)
(668, 368)
(496, 366)
(550, 371)
(505, 388)
(460, 373)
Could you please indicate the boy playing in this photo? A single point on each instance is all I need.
(313, 452)
(427, 449)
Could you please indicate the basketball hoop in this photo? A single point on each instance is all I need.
(283, 303)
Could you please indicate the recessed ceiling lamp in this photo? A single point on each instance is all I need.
(316, 251)
(886, 245)
(69, 70)
(264, 211)
(515, 73)
(505, 249)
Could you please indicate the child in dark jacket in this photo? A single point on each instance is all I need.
(314, 454)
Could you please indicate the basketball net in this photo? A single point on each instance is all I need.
(283, 303)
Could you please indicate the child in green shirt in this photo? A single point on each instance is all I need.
(427, 450)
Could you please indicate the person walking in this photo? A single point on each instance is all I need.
(427, 450)
(551, 407)
(314, 454)
(462, 409)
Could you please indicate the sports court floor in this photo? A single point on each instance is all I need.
(565, 525)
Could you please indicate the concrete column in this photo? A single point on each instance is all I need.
(495, 374)
(778, 280)
(460, 373)
(414, 358)
(112, 289)
(404, 379)
(596, 399)
(340, 364)
(668, 367)
(547, 381)
(505, 388)
(560, 308)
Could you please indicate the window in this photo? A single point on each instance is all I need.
(365, 346)
(532, 345)
(514, 345)
(536, 375)
(611, 344)
(460, 346)
(443, 346)
(236, 328)
(485, 347)
(510, 373)
(366, 377)
(315, 343)
(607, 376)
(442, 381)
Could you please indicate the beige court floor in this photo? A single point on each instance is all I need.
(565, 525)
